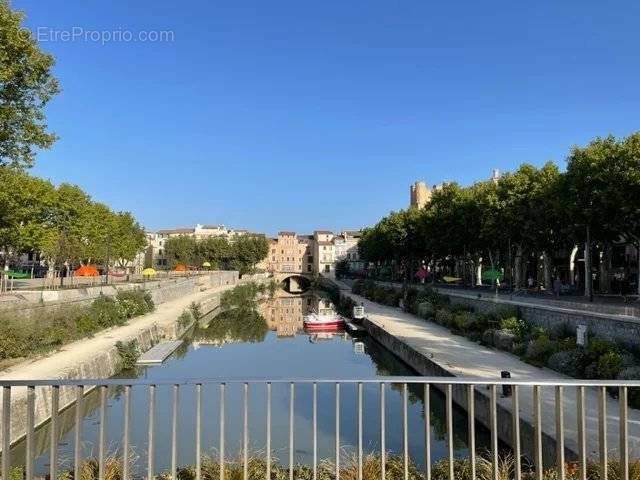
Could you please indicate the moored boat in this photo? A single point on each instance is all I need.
(323, 322)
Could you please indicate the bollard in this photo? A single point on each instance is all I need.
(506, 389)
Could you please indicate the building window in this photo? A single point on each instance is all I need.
(327, 268)
(160, 252)
(310, 259)
(308, 268)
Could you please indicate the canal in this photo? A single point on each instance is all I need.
(266, 342)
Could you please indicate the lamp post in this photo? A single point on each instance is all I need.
(108, 259)
(588, 281)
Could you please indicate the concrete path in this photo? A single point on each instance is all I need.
(463, 357)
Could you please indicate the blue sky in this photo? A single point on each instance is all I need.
(273, 115)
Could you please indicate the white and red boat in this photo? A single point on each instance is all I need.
(322, 322)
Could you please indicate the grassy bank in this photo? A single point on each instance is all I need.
(23, 335)
(505, 330)
(371, 470)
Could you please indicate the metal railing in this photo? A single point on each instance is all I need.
(463, 391)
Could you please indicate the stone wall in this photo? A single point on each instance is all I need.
(621, 329)
(104, 364)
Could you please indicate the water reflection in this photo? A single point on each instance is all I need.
(265, 341)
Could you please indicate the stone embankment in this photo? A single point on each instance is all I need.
(620, 325)
(428, 347)
(97, 357)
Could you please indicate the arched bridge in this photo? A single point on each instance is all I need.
(294, 282)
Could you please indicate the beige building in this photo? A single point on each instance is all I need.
(324, 260)
(286, 253)
(420, 194)
(312, 254)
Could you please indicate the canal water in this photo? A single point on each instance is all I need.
(269, 342)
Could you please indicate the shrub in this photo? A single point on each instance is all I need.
(567, 362)
(196, 310)
(463, 321)
(596, 347)
(85, 324)
(443, 317)
(185, 319)
(485, 321)
(609, 365)
(129, 353)
(134, 302)
(15, 341)
(104, 313)
(539, 350)
(515, 325)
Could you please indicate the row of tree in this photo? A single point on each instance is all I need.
(540, 211)
(62, 223)
(242, 253)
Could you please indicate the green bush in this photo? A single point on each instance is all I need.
(609, 365)
(133, 303)
(196, 310)
(185, 319)
(596, 347)
(463, 321)
(23, 334)
(443, 317)
(515, 325)
(539, 350)
(129, 353)
(104, 313)
(14, 342)
(567, 362)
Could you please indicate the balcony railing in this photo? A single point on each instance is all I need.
(56, 394)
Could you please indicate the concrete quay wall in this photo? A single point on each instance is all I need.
(103, 361)
(427, 367)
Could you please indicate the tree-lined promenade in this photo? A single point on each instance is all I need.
(531, 220)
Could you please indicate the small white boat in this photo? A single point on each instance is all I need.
(322, 322)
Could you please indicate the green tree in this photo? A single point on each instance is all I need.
(26, 86)
(215, 250)
(593, 197)
(180, 249)
(247, 251)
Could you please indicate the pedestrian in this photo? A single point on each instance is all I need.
(557, 286)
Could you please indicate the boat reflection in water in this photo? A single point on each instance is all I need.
(289, 315)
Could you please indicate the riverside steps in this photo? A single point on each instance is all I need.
(431, 349)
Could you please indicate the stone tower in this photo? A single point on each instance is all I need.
(419, 194)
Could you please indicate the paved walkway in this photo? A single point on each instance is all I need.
(463, 357)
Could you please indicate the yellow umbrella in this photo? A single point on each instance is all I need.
(147, 272)
(206, 264)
